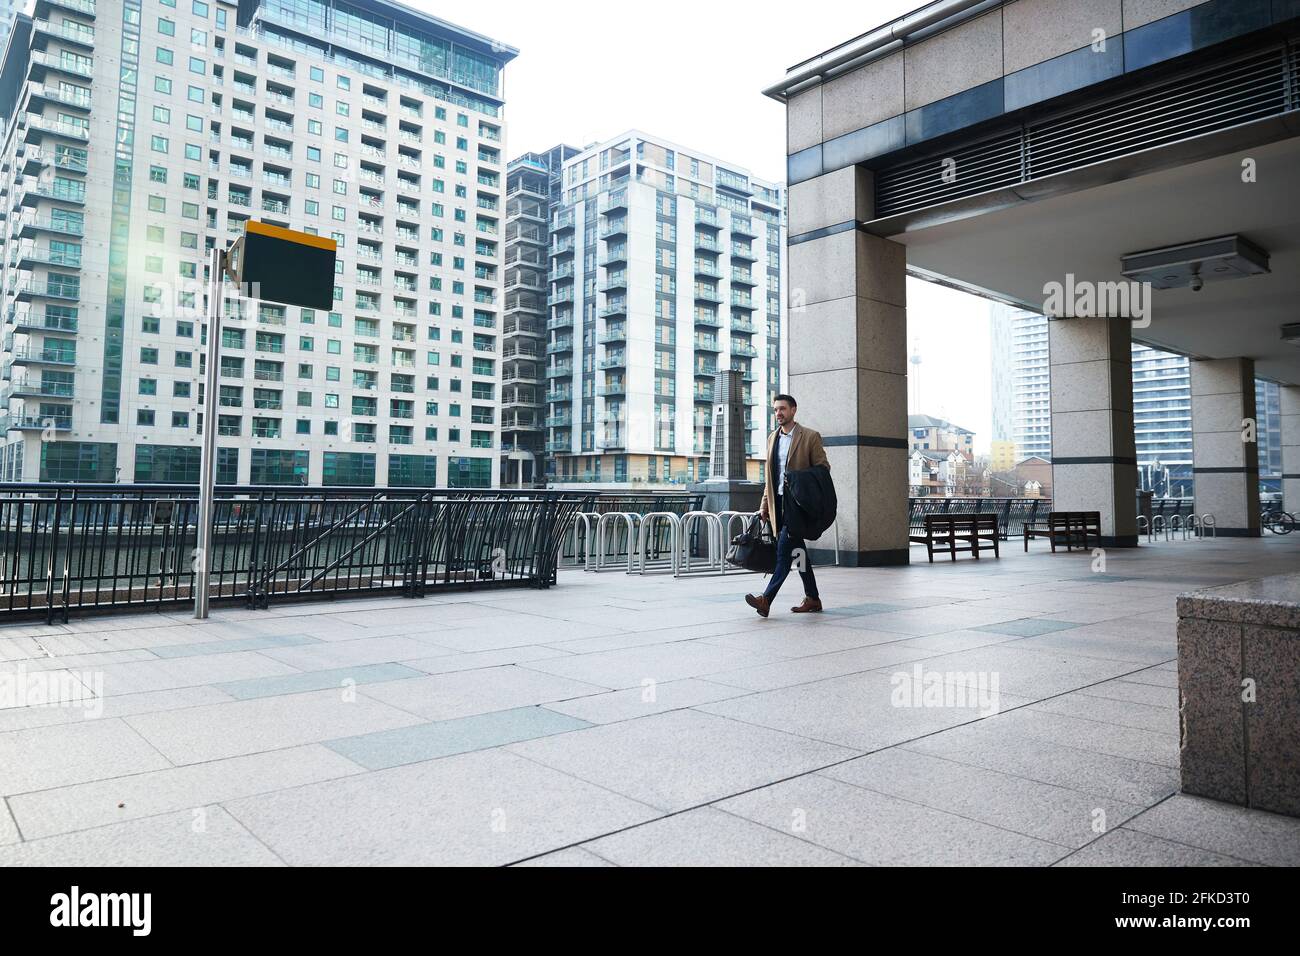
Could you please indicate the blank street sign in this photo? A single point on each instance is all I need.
(273, 264)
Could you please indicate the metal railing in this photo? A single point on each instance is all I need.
(1013, 513)
(88, 547)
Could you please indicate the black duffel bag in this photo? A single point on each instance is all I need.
(754, 549)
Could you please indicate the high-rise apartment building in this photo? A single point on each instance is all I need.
(533, 190)
(1021, 387)
(9, 9)
(666, 266)
(142, 132)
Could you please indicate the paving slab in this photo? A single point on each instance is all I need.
(486, 808)
(1252, 835)
(404, 745)
(88, 805)
(680, 759)
(202, 836)
(1125, 847)
(1044, 811)
(56, 756)
(884, 831)
(464, 693)
(711, 837)
(216, 731)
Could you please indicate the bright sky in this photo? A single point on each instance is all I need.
(693, 72)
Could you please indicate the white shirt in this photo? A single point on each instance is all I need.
(783, 440)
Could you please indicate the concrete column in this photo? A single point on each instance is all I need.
(1094, 456)
(1225, 454)
(1290, 395)
(848, 361)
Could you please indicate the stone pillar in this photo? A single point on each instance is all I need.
(1225, 464)
(848, 361)
(1094, 456)
(1290, 395)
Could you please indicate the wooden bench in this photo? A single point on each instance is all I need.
(1073, 528)
(949, 534)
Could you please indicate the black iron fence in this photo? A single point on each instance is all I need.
(1013, 513)
(95, 547)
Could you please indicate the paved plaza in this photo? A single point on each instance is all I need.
(1020, 711)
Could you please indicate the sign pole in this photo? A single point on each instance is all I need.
(208, 459)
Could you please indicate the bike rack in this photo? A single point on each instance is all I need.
(716, 559)
(631, 520)
(648, 523)
(1144, 525)
(1207, 521)
(584, 519)
(1158, 526)
(1175, 526)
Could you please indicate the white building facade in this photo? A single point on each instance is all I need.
(142, 132)
(666, 266)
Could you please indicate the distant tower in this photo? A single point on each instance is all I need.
(916, 378)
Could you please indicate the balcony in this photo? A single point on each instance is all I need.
(559, 421)
(706, 343)
(617, 360)
(614, 201)
(708, 270)
(39, 129)
(706, 244)
(743, 252)
(707, 320)
(562, 221)
(740, 325)
(36, 160)
(560, 395)
(613, 441)
(38, 321)
(704, 293)
(40, 424)
(561, 446)
(614, 307)
(614, 282)
(35, 356)
(742, 301)
(41, 62)
(614, 228)
(560, 347)
(30, 255)
(85, 7)
(743, 348)
(613, 336)
(56, 391)
(561, 321)
(742, 277)
(43, 290)
(563, 247)
(611, 389)
(708, 217)
(743, 226)
(560, 370)
(704, 395)
(562, 274)
(42, 95)
(706, 371)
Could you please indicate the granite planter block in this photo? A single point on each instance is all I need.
(1211, 723)
(1272, 659)
(1241, 747)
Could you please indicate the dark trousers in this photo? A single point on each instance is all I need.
(786, 546)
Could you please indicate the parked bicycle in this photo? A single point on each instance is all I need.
(1276, 520)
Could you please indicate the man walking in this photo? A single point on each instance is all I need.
(790, 448)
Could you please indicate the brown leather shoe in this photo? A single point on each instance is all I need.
(809, 606)
(760, 604)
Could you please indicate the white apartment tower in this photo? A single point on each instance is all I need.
(142, 132)
(666, 266)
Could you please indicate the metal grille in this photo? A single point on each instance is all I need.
(1212, 99)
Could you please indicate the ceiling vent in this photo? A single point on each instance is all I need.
(1193, 264)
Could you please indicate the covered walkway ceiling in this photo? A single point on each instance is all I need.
(1013, 250)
